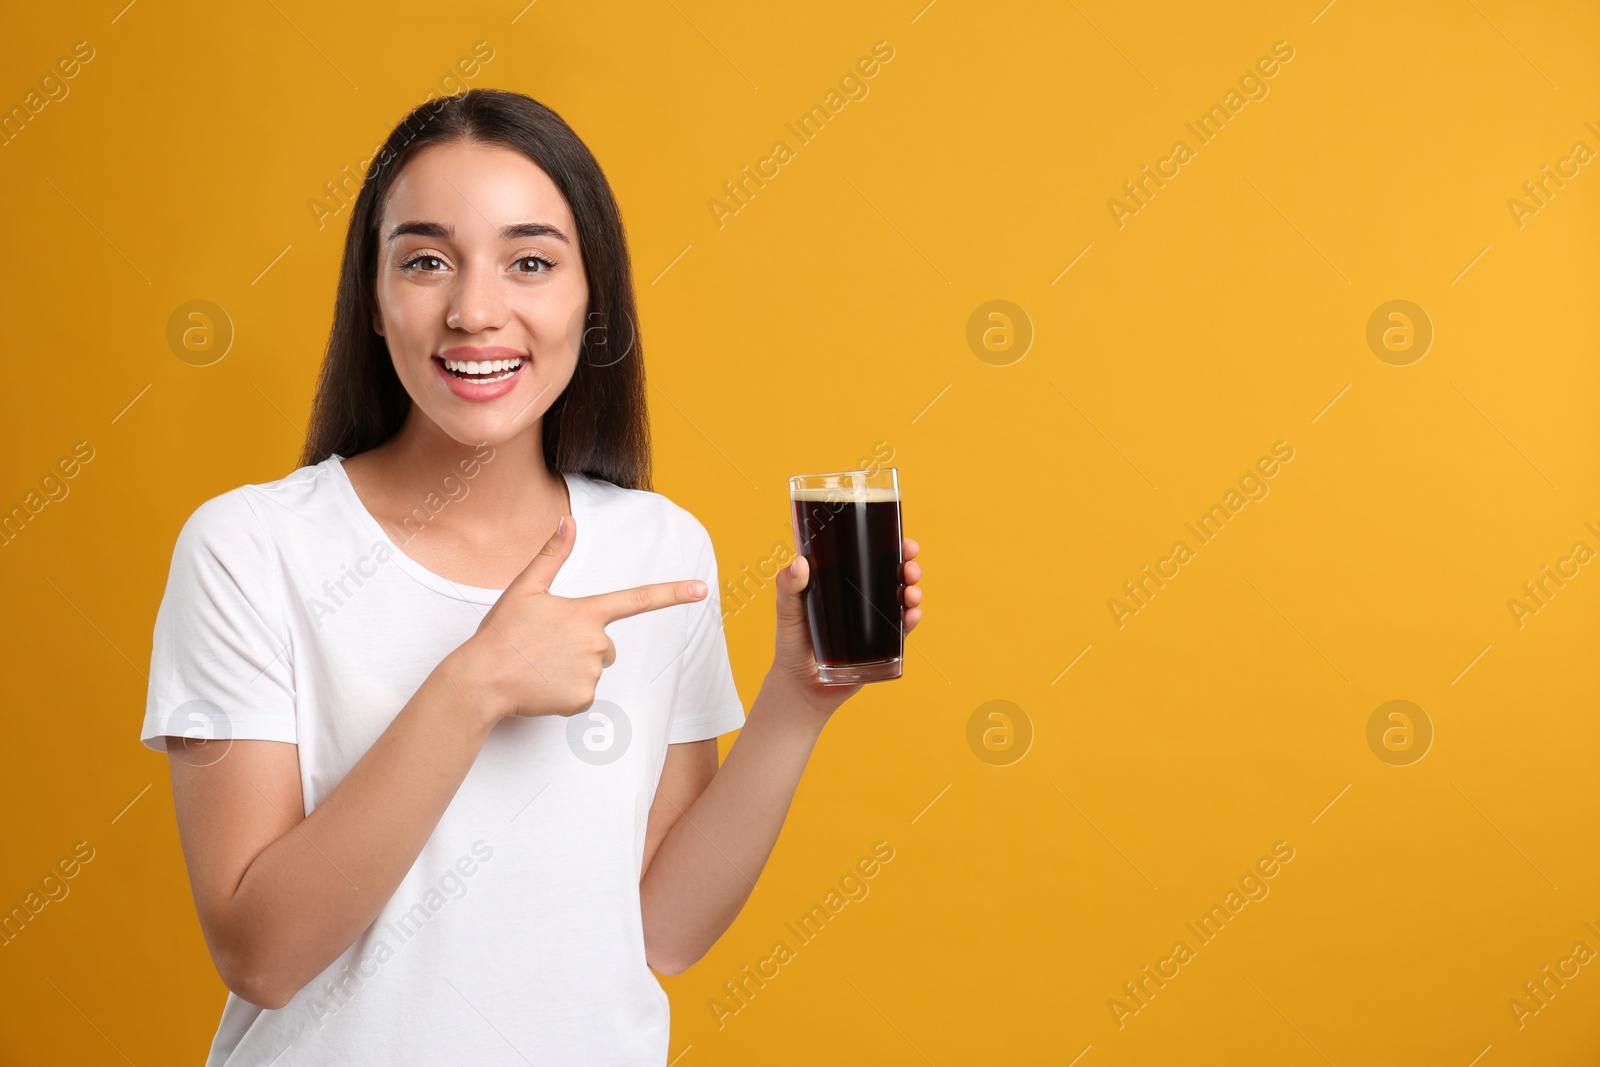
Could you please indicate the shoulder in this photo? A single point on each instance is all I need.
(646, 513)
(245, 522)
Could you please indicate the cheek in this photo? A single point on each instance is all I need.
(560, 324)
(401, 309)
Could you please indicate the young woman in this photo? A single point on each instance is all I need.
(441, 705)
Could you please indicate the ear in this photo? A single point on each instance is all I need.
(377, 321)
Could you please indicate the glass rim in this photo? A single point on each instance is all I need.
(835, 474)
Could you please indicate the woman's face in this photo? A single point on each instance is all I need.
(481, 290)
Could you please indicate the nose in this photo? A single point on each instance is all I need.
(476, 301)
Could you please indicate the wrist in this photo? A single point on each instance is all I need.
(467, 677)
(785, 698)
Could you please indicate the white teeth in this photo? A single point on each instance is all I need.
(485, 367)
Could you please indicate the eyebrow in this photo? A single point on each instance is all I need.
(514, 232)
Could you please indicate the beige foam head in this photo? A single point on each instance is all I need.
(848, 494)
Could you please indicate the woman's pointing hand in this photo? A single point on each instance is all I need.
(536, 653)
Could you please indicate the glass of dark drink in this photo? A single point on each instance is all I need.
(847, 526)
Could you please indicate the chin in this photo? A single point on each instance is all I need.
(494, 422)
(472, 433)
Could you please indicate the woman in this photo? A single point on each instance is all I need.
(458, 679)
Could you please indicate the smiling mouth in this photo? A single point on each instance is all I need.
(491, 370)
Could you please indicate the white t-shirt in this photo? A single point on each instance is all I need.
(516, 937)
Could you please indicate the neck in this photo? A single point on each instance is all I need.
(484, 484)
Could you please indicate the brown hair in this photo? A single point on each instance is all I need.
(599, 425)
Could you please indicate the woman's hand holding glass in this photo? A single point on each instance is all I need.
(795, 663)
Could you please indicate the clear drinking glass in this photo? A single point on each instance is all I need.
(847, 526)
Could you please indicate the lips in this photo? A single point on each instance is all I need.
(488, 370)
(462, 354)
(481, 375)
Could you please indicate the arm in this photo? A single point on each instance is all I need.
(721, 827)
(281, 894)
(722, 823)
(687, 771)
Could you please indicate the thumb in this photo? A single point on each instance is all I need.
(541, 570)
(792, 582)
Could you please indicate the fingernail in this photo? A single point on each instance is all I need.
(794, 568)
(560, 524)
(697, 588)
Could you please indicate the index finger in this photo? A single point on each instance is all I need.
(622, 603)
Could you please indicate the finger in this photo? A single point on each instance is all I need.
(911, 617)
(911, 596)
(909, 548)
(792, 582)
(911, 573)
(609, 656)
(641, 598)
(541, 570)
(795, 577)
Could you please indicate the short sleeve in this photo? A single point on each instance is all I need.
(706, 702)
(220, 663)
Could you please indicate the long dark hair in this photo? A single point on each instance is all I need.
(599, 425)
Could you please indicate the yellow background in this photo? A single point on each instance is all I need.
(827, 315)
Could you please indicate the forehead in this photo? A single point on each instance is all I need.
(476, 189)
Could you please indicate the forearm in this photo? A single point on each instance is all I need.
(707, 865)
(308, 896)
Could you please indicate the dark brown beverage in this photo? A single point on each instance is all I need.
(850, 537)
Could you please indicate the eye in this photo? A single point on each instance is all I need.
(413, 262)
(548, 266)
